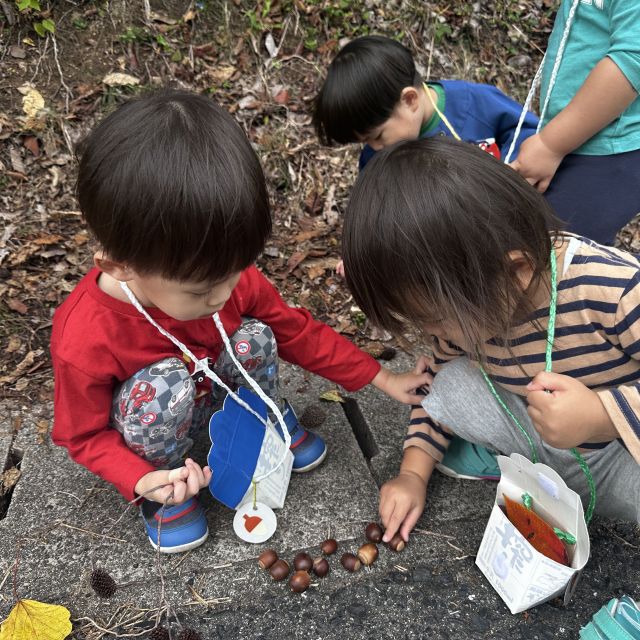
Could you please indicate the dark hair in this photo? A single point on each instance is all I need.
(170, 185)
(427, 234)
(363, 86)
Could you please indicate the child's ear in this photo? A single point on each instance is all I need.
(115, 269)
(410, 97)
(521, 267)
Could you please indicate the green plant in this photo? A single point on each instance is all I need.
(41, 26)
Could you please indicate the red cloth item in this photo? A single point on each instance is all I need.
(98, 342)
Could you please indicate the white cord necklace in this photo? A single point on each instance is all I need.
(202, 364)
(536, 82)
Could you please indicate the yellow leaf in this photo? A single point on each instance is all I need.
(32, 103)
(32, 619)
(331, 396)
(120, 80)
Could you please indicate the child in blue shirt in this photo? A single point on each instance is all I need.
(586, 158)
(373, 94)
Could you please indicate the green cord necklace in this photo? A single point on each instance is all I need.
(551, 329)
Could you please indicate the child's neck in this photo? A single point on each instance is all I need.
(539, 296)
(111, 287)
(428, 100)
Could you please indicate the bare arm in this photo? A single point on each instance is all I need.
(604, 95)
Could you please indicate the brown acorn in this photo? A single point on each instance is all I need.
(279, 570)
(302, 562)
(320, 567)
(299, 581)
(102, 583)
(368, 554)
(329, 547)
(373, 532)
(350, 562)
(267, 558)
(189, 634)
(159, 633)
(396, 543)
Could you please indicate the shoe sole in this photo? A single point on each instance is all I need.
(182, 547)
(461, 476)
(316, 463)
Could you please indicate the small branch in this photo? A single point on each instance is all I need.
(68, 93)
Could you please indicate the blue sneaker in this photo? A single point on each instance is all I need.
(184, 526)
(308, 448)
(619, 620)
(469, 461)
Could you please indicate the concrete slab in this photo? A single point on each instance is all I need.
(430, 590)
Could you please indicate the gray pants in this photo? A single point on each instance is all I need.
(461, 400)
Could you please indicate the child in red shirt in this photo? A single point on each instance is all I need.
(176, 198)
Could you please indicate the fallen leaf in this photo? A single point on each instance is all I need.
(42, 428)
(282, 97)
(32, 107)
(221, 73)
(248, 102)
(9, 479)
(31, 143)
(332, 396)
(117, 79)
(16, 51)
(295, 259)
(32, 619)
(14, 344)
(17, 306)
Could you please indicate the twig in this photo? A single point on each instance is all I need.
(424, 532)
(91, 533)
(68, 93)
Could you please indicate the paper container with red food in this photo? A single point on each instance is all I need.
(522, 576)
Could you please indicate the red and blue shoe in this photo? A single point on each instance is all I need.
(308, 448)
(183, 526)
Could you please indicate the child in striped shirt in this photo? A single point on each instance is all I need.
(473, 264)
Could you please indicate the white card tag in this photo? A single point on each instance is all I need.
(254, 523)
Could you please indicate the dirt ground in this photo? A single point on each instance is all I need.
(264, 62)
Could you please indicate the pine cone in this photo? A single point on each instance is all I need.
(189, 634)
(313, 416)
(159, 633)
(102, 583)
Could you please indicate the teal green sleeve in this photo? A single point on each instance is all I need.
(624, 49)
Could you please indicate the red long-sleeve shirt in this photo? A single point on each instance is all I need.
(98, 342)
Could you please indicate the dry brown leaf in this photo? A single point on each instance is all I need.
(117, 79)
(43, 430)
(18, 306)
(221, 73)
(9, 479)
(14, 344)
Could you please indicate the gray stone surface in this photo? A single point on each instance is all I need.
(65, 521)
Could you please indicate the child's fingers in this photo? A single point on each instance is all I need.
(410, 522)
(395, 520)
(179, 492)
(413, 399)
(422, 364)
(178, 474)
(194, 482)
(208, 474)
(195, 469)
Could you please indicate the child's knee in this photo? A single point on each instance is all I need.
(153, 410)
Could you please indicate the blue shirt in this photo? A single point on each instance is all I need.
(477, 113)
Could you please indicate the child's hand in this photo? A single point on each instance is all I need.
(402, 386)
(570, 415)
(340, 268)
(537, 162)
(184, 483)
(401, 504)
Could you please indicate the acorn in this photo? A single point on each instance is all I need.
(189, 634)
(373, 532)
(159, 633)
(350, 562)
(302, 562)
(320, 567)
(102, 583)
(267, 558)
(279, 570)
(299, 581)
(329, 547)
(313, 416)
(368, 554)
(396, 543)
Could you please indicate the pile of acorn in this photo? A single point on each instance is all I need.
(303, 563)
